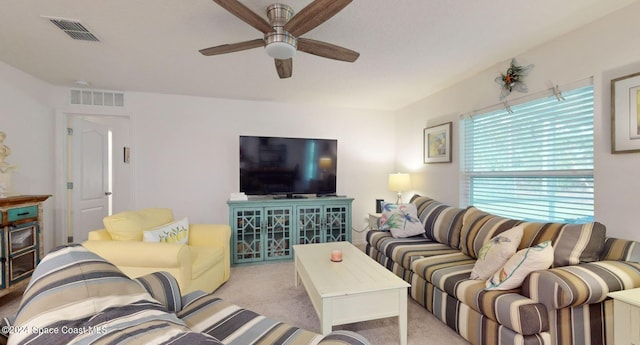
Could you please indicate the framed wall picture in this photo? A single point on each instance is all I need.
(625, 114)
(437, 143)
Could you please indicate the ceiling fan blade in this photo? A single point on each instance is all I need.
(284, 68)
(313, 15)
(244, 13)
(327, 50)
(234, 47)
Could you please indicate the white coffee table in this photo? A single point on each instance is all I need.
(356, 289)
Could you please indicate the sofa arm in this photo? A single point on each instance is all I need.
(216, 235)
(343, 337)
(142, 254)
(580, 284)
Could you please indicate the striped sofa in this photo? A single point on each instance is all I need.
(565, 304)
(76, 297)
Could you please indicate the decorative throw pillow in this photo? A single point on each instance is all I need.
(401, 219)
(518, 267)
(175, 232)
(496, 252)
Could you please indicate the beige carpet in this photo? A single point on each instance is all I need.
(269, 289)
(9, 303)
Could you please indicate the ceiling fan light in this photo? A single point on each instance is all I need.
(280, 44)
(280, 50)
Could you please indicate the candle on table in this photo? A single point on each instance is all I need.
(336, 255)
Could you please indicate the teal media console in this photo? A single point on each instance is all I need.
(265, 229)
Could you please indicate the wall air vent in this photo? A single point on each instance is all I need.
(73, 28)
(96, 97)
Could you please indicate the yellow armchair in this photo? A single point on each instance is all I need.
(203, 263)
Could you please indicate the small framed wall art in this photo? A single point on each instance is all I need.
(625, 114)
(437, 144)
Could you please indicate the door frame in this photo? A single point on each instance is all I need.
(63, 228)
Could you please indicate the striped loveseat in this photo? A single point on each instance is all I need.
(76, 297)
(566, 304)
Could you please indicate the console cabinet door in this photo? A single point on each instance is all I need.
(310, 224)
(247, 235)
(278, 233)
(3, 258)
(23, 250)
(337, 224)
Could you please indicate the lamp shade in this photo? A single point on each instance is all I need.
(399, 182)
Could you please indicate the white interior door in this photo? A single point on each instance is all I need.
(91, 192)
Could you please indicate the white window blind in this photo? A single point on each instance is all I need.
(535, 163)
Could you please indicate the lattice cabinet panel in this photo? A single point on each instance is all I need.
(266, 228)
(247, 235)
(336, 225)
(310, 225)
(278, 231)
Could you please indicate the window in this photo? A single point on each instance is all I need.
(533, 163)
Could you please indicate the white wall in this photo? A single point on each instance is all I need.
(605, 49)
(185, 149)
(27, 119)
(186, 156)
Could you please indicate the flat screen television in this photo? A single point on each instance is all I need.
(287, 166)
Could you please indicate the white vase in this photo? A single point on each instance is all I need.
(6, 183)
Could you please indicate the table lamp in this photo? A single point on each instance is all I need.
(400, 182)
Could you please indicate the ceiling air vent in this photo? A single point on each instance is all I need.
(73, 28)
(96, 97)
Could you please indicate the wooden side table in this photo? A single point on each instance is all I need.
(626, 316)
(21, 239)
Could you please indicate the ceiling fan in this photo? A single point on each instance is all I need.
(282, 32)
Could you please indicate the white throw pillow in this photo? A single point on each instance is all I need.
(518, 267)
(401, 219)
(496, 252)
(176, 232)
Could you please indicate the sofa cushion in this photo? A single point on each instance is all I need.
(450, 274)
(478, 227)
(402, 250)
(444, 271)
(517, 268)
(226, 322)
(572, 243)
(401, 219)
(496, 252)
(442, 223)
(129, 225)
(621, 250)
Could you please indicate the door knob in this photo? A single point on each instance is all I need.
(107, 193)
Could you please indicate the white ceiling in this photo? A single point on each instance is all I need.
(408, 49)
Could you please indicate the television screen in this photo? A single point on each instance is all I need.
(275, 165)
